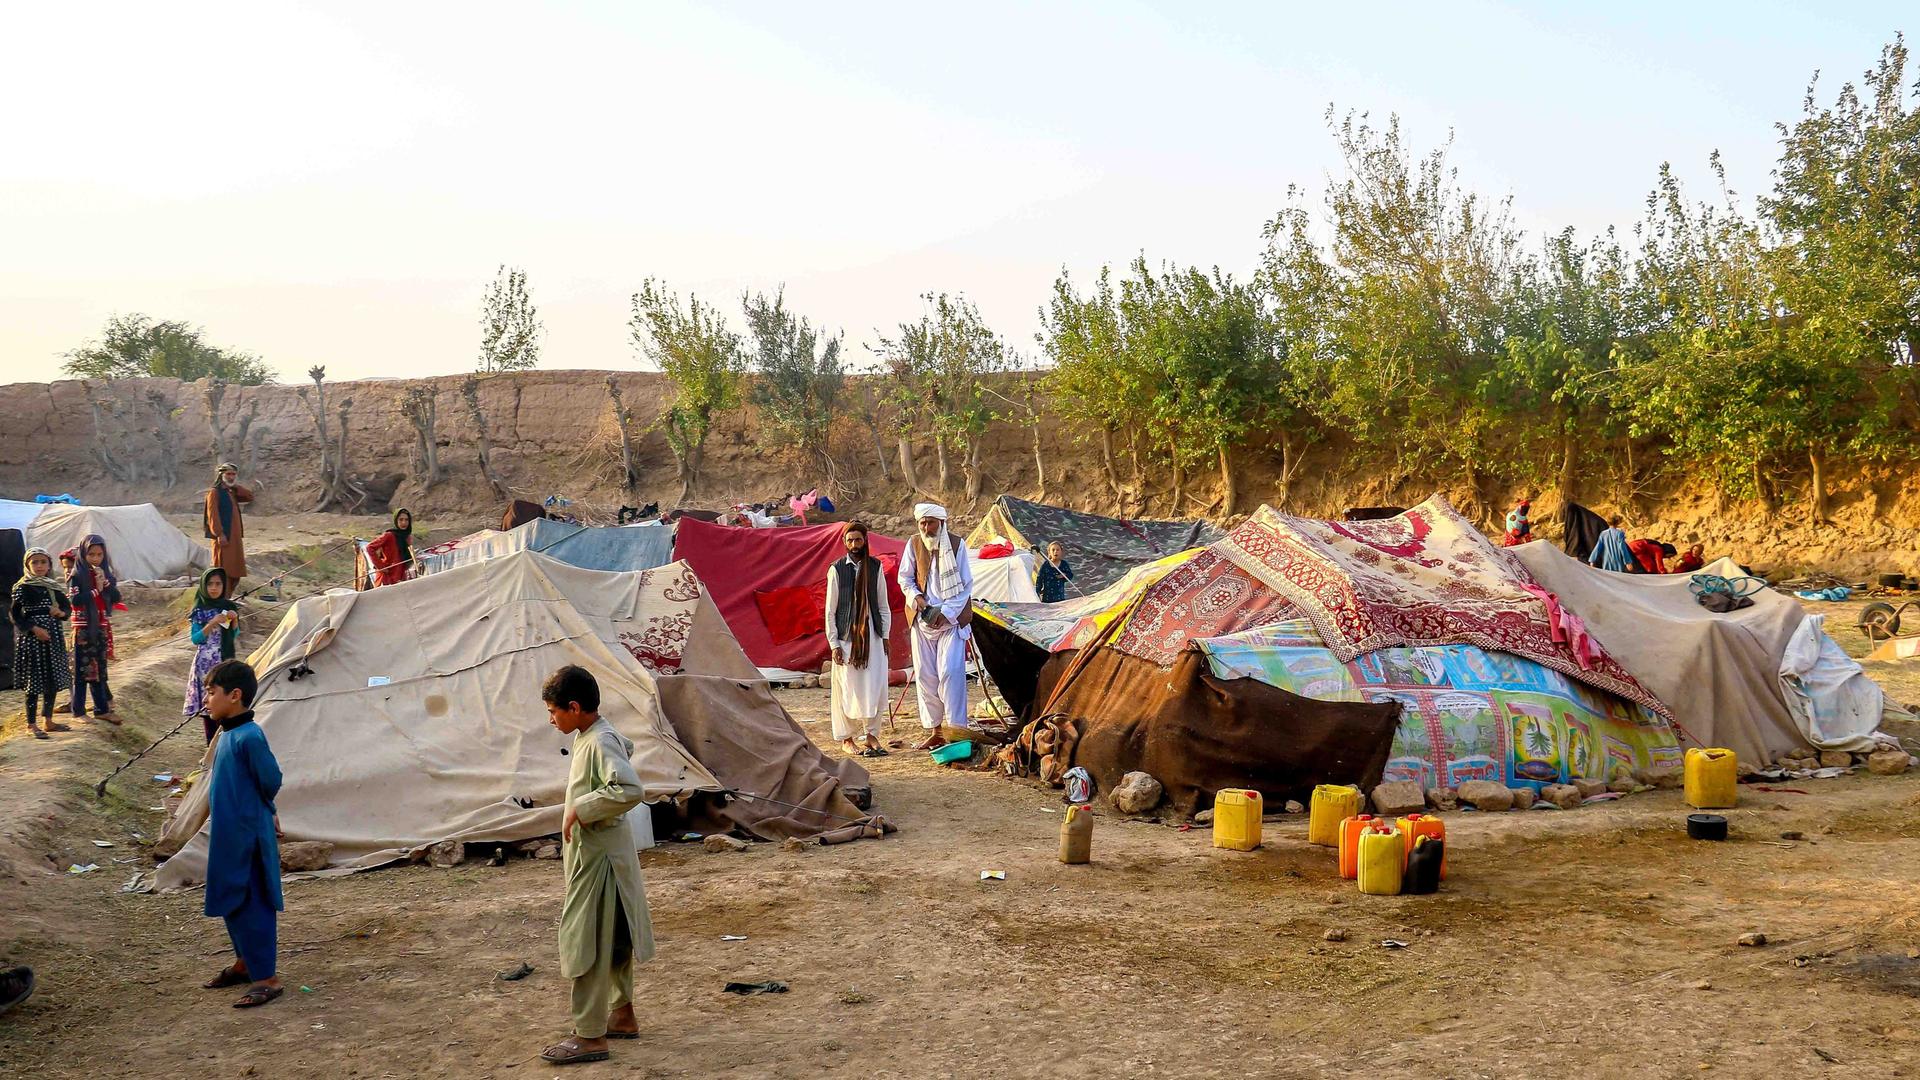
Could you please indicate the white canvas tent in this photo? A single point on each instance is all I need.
(145, 547)
(1004, 581)
(409, 715)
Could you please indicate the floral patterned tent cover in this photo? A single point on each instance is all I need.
(1469, 713)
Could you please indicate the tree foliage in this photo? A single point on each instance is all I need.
(936, 373)
(798, 378)
(135, 346)
(510, 327)
(703, 359)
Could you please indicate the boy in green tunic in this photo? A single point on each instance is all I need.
(604, 927)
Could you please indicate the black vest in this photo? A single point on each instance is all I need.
(843, 608)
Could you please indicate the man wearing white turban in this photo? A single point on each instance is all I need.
(938, 583)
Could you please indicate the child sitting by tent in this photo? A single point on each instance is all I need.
(213, 624)
(1519, 528)
(39, 609)
(604, 926)
(94, 591)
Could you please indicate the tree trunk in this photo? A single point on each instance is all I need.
(970, 468)
(907, 471)
(470, 390)
(1227, 491)
(940, 458)
(1819, 501)
(871, 415)
(1039, 462)
(630, 478)
(1289, 465)
(1179, 481)
(1106, 458)
(1567, 459)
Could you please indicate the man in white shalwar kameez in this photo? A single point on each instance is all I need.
(857, 626)
(938, 582)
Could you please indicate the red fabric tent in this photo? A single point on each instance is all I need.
(737, 565)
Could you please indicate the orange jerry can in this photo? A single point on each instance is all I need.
(1414, 826)
(1350, 831)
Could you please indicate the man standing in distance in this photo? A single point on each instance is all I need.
(938, 583)
(857, 625)
(224, 526)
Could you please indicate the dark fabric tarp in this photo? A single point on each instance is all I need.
(735, 563)
(1582, 530)
(13, 551)
(1101, 549)
(519, 512)
(1012, 662)
(1372, 513)
(748, 742)
(1197, 734)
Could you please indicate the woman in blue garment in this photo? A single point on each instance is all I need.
(1610, 552)
(243, 857)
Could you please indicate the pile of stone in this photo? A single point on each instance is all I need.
(1881, 761)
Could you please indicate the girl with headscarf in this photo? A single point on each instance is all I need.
(94, 590)
(213, 625)
(392, 553)
(39, 609)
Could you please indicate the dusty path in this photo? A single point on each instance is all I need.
(1598, 941)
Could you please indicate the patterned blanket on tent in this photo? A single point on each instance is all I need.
(1206, 596)
(1073, 623)
(1469, 714)
(657, 635)
(1427, 577)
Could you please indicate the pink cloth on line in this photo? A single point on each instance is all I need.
(1567, 628)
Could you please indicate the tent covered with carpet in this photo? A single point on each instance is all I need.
(411, 715)
(1484, 674)
(771, 586)
(590, 547)
(1101, 549)
(144, 545)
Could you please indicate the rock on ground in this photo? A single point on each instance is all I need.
(447, 853)
(1443, 798)
(305, 855)
(1486, 795)
(1589, 787)
(722, 842)
(1753, 940)
(1522, 797)
(1335, 934)
(794, 843)
(1664, 777)
(1622, 784)
(1294, 806)
(1136, 793)
(1398, 797)
(1204, 817)
(1835, 759)
(1564, 796)
(548, 850)
(1888, 762)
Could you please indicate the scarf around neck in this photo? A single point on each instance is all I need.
(45, 581)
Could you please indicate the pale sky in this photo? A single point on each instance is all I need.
(335, 183)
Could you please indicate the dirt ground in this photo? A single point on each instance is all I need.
(1599, 941)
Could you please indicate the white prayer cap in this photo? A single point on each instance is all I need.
(929, 510)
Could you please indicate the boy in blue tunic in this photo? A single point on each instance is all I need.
(243, 860)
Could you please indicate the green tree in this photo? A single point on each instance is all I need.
(938, 369)
(703, 359)
(509, 325)
(1424, 268)
(798, 377)
(1300, 290)
(1845, 209)
(1571, 311)
(135, 346)
(1208, 339)
(1096, 382)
